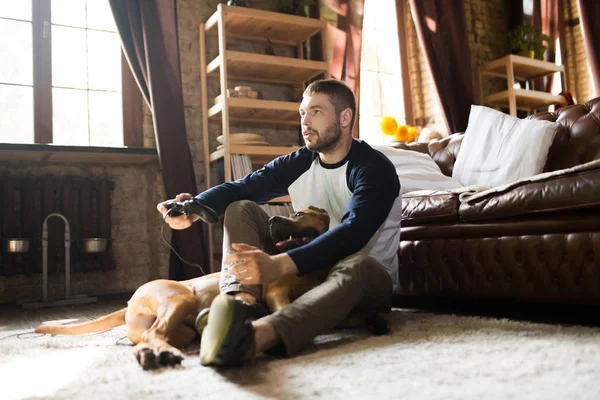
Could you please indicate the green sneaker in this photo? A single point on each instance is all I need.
(229, 334)
(201, 320)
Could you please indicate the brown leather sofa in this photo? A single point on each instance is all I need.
(537, 242)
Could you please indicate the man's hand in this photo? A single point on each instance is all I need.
(252, 266)
(181, 221)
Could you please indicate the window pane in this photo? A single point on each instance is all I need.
(16, 45)
(70, 117)
(16, 114)
(17, 9)
(104, 60)
(106, 119)
(100, 16)
(69, 66)
(68, 12)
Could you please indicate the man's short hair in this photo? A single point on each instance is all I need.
(340, 95)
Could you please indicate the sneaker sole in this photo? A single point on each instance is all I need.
(201, 322)
(215, 332)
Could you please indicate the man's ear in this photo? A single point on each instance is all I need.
(346, 118)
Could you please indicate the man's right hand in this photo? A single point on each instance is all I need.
(181, 221)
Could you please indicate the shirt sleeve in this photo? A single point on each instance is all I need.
(375, 189)
(267, 183)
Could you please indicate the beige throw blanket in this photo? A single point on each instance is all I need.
(469, 194)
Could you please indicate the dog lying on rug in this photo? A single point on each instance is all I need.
(160, 316)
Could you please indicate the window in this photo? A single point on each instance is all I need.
(381, 91)
(63, 77)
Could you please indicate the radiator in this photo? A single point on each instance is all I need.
(26, 200)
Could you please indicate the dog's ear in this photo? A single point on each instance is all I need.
(317, 209)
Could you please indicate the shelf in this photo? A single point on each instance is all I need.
(256, 153)
(266, 68)
(251, 24)
(524, 68)
(525, 99)
(255, 110)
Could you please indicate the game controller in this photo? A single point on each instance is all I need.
(192, 207)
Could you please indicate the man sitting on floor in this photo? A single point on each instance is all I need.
(359, 189)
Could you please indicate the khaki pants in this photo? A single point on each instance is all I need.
(356, 284)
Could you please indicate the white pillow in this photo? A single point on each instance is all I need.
(417, 171)
(498, 149)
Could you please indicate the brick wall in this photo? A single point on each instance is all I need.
(487, 28)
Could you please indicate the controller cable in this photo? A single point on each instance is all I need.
(162, 231)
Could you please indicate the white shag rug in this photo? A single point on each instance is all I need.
(426, 356)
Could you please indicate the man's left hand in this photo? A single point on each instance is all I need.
(252, 266)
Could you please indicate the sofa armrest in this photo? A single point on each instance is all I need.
(443, 151)
(573, 191)
(421, 147)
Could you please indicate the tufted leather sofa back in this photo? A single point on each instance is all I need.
(577, 140)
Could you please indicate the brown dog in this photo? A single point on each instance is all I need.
(160, 315)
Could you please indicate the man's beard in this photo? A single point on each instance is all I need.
(326, 140)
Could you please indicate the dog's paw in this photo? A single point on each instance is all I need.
(150, 358)
(146, 358)
(170, 357)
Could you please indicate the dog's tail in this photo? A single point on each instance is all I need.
(98, 325)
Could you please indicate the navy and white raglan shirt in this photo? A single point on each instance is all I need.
(361, 193)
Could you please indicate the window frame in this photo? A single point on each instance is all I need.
(42, 84)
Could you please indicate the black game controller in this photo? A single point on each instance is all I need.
(192, 207)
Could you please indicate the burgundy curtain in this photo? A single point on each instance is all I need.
(347, 43)
(442, 33)
(545, 17)
(148, 31)
(589, 13)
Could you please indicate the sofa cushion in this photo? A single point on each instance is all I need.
(429, 206)
(498, 149)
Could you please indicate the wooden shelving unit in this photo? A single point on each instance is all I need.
(266, 68)
(513, 67)
(254, 110)
(230, 22)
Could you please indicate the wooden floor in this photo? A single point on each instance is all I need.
(14, 318)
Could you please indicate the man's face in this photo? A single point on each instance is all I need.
(321, 127)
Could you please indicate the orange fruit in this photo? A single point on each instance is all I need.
(388, 125)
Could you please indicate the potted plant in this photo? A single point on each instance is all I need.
(528, 41)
